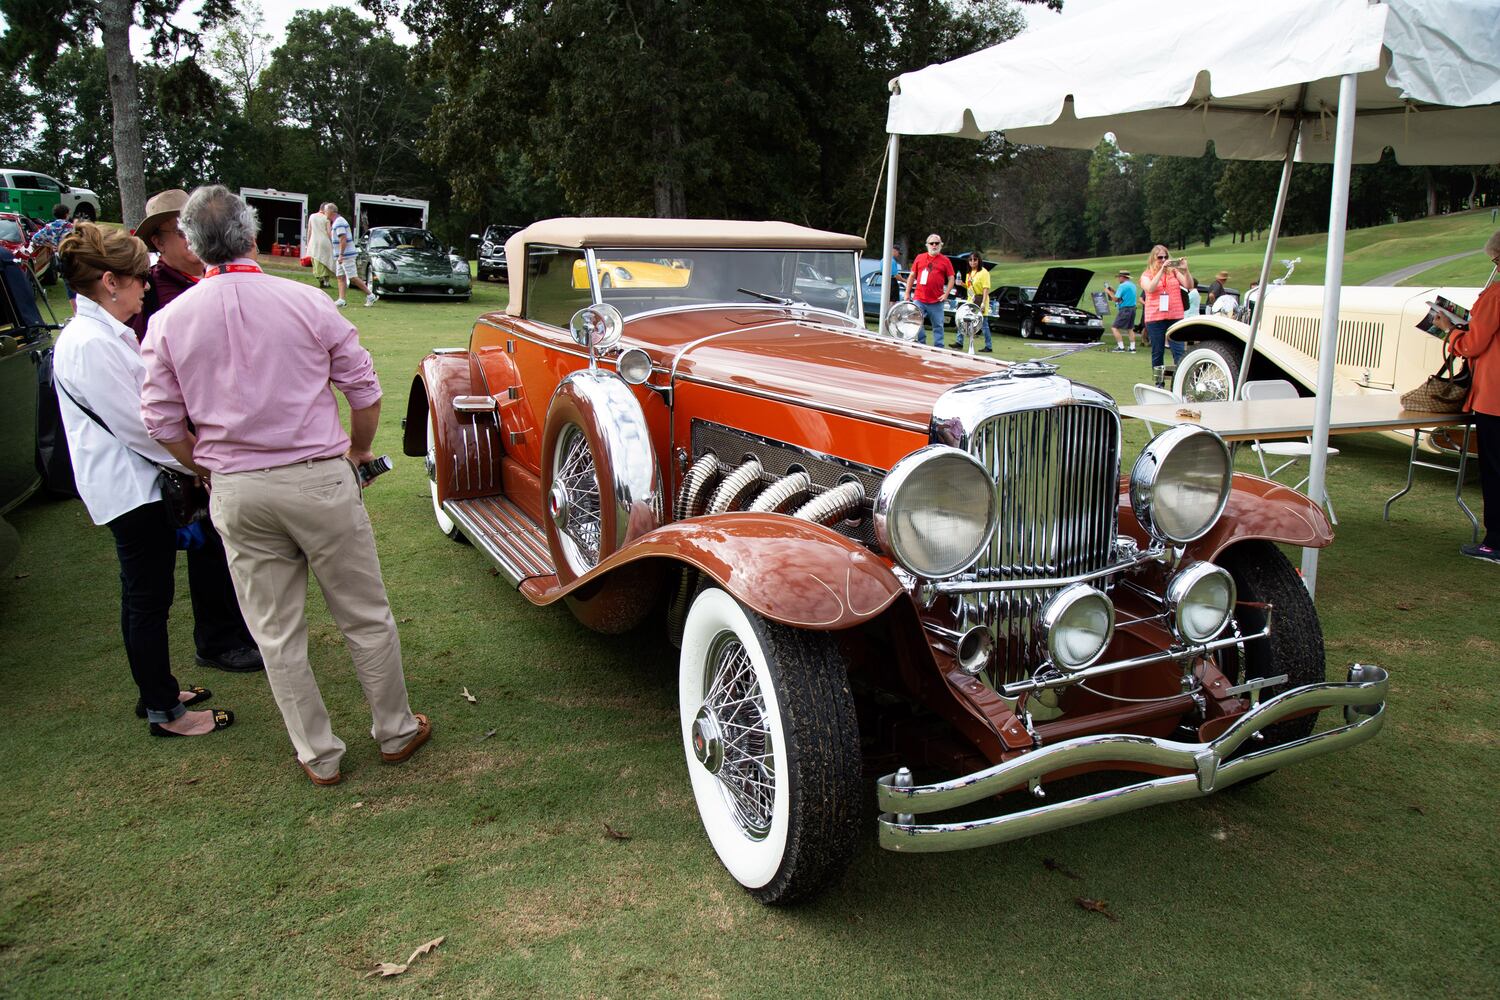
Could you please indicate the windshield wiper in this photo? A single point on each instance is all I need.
(767, 296)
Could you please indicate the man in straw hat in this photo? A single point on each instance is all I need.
(1124, 299)
(177, 268)
(1217, 288)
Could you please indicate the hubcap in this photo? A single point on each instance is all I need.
(708, 745)
(735, 708)
(557, 501)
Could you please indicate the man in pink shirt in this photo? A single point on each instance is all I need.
(252, 360)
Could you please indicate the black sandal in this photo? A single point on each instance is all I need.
(223, 719)
(200, 695)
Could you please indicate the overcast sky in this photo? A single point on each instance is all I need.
(279, 12)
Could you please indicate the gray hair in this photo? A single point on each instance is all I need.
(218, 225)
(1492, 245)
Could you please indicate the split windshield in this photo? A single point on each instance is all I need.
(639, 280)
(405, 239)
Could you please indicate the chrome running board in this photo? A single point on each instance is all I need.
(504, 532)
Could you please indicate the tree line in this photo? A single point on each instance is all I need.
(513, 110)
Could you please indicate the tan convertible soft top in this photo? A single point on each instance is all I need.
(665, 233)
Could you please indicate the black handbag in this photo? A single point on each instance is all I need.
(185, 496)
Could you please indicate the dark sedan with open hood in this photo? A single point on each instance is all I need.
(397, 260)
(1050, 309)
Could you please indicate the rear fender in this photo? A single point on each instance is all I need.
(788, 570)
(1257, 508)
(466, 462)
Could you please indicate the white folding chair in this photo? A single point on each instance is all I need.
(1146, 394)
(1292, 451)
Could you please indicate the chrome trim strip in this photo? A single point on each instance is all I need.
(1208, 766)
(1040, 583)
(1017, 688)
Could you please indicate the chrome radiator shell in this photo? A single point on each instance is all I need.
(1053, 448)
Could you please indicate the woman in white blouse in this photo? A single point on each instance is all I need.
(98, 372)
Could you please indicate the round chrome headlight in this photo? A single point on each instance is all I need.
(968, 319)
(904, 321)
(1078, 623)
(634, 366)
(935, 510)
(1199, 601)
(598, 326)
(1180, 483)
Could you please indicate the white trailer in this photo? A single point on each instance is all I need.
(283, 218)
(388, 210)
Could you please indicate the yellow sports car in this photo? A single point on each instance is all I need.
(635, 273)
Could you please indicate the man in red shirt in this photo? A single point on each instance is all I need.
(932, 273)
(177, 268)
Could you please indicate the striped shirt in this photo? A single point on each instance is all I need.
(341, 228)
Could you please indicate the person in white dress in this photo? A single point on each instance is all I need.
(319, 246)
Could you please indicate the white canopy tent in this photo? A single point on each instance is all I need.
(1262, 79)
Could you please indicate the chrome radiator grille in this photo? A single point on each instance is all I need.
(1058, 472)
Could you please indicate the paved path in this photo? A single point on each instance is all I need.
(1396, 277)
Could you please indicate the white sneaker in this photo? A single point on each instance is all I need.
(340, 303)
(369, 300)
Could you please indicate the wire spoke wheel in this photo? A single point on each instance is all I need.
(1207, 373)
(772, 747)
(575, 499)
(747, 771)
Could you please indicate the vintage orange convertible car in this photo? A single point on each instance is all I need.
(876, 557)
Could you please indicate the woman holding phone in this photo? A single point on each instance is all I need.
(1162, 284)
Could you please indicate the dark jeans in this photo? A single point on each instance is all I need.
(1156, 332)
(1488, 428)
(146, 542)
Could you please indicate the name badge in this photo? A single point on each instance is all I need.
(1163, 302)
(923, 279)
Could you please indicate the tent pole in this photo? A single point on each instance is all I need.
(1265, 264)
(1333, 279)
(888, 233)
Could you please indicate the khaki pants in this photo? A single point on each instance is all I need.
(276, 524)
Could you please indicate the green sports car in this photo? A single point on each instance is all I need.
(398, 260)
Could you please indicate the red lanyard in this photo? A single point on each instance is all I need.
(231, 268)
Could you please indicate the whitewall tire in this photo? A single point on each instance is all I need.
(445, 523)
(772, 747)
(1208, 372)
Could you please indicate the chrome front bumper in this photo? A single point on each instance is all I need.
(1362, 697)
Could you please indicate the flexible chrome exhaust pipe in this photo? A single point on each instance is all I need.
(780, 494)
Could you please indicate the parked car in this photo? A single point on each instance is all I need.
(871, 553)
(35, 195)
(1380, 348)
(400, 260)
(25, 341)
(869, 287)
(492, 250)
(1050, 309)
(630, 273)
(16, 231)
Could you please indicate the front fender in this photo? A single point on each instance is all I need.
(788, 570)
(1257, 508)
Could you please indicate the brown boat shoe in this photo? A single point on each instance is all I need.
(311, 776)
(424, 732)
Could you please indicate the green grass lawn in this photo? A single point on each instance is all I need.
(135, 866)
(1368, 253)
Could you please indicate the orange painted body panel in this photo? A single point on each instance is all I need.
(790, 571)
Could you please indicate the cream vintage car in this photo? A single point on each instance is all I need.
(1380, 348)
